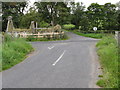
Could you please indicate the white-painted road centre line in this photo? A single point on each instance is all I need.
(51, 47)
(59, 58)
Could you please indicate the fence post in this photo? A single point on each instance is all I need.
(117, 37)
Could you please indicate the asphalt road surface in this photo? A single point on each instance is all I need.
(71, 63)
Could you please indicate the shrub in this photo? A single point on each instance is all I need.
(69, 26)
(43, 24)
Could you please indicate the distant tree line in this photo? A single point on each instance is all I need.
(105, 17)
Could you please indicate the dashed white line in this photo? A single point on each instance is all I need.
(59, 58)
(50, 47)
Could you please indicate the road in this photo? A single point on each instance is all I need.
(71, 63)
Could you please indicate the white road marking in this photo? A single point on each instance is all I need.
(59, 58)
(50, 47)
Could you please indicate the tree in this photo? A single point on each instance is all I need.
(102, 16)
(110, 16)
(118, 13)
(57, 12)
(63, 13)
(95, 14)
(31, 15)
(78, 14)
(14, 9)
(118, 5)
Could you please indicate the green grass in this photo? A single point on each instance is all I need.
(92, 35)
(108, 56)
(14, 50)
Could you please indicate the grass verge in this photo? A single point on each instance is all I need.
(108, 55)
(92, 35)
(14, 50)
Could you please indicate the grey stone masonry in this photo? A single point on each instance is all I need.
(10, 26)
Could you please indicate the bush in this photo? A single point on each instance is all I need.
(43, 24)
(69, 26)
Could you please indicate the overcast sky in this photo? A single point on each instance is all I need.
(88, 2)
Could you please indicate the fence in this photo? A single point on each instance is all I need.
(40, 35)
